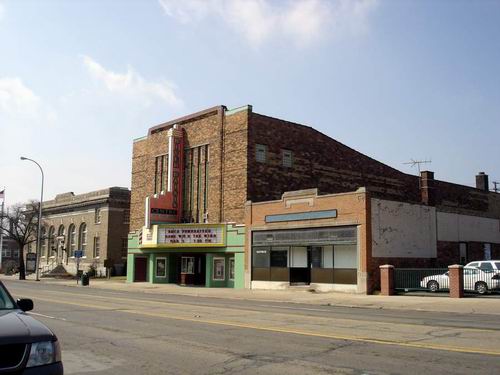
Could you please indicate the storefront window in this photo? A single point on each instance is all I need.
(187, 265)
(279, 258)
(298, 256)
(345, 256)
(317, 257)
(260, 257)
(161, 267)
(231, 268)
(219, 268)
(328, 256)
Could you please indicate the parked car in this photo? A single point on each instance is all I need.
(26, 345)
(474, 279)
(485, 265)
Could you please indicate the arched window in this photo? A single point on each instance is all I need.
(61, 234)
(82, 238)
(43, 240)
(72, 240)
(52, 240)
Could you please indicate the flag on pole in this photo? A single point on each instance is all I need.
(2, 194)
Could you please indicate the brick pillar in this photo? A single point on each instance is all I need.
(456, 277)
(387, 280)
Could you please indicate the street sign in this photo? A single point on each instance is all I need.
(30, 262)
(78, 255)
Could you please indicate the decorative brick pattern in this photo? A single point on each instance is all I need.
(226, 137)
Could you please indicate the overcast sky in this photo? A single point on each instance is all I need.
(396, 80)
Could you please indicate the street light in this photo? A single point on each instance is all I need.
(39, 222)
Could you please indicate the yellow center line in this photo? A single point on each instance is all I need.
(296, 314)
(115, 298)
(447, 348)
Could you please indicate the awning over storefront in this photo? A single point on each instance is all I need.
(309, 236)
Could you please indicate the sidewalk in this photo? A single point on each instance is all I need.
(478, 305)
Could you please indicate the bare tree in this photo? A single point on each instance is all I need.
(20, 223)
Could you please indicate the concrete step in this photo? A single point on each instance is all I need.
(57, 272)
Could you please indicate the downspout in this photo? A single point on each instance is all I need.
(248, 244)
(369, 281)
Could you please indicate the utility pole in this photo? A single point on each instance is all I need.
(2, 195)
(39, 234)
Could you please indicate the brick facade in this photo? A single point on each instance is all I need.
(318, 162)
(225, 134)
(234, 175)
(222, 173)
(352, 210)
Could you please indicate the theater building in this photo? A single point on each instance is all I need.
(186, 215)
(196, 180)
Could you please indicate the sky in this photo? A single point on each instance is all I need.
(395, 80)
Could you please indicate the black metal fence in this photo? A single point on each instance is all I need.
(481, 282)
(477, 282)
(415, 279)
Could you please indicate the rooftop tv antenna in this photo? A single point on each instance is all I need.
(496, 189)
(417, 163)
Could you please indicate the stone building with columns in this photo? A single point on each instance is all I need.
(95, 223)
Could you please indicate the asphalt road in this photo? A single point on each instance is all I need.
(114, 332)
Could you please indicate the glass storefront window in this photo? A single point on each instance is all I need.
(187, 265)
(161, 267)
(317, 257)
(298, 256)
(231, 268)
(345, 256)
(328, 256)
(260, 257)
(279, 258)
(219, 268)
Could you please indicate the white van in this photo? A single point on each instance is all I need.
(485, 265)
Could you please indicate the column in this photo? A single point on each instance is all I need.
(456, 277)
(387, 280)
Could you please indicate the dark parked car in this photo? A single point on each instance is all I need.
(26, 345)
